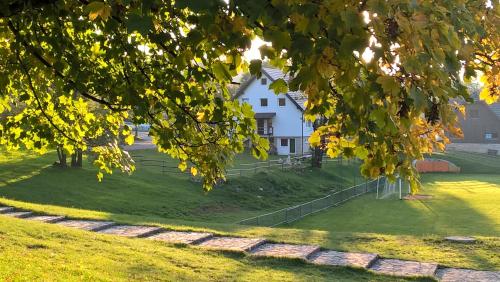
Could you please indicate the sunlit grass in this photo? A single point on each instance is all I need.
(43, 252)
(391, 228)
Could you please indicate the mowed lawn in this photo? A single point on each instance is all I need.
(173, 201)
(165, 192)
(43, 252)
(460, 205)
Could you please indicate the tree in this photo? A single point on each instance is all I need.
(170, 62)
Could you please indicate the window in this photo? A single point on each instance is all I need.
(284, 142)
(263, 81)
(263, 102)
(490, 135)
(281, 102)
(244, 100)
(474, 113)
(309, 123)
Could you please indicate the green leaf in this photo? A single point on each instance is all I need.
(279, 86)
(141, 24)
(221, 71)
(97, 9)
(361, 152)
(419, 98)
(198, 5)
(379, 116)
(255, 68)
(389, 84)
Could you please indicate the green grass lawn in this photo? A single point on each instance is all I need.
(43, 252)
(461, 204)
(173, 201)
(157, 192)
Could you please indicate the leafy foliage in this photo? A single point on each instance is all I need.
(72, 71)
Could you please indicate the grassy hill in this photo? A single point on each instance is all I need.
(164, 192)
(173, 201)
(43, 252)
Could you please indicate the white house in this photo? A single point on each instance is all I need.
(280, 118)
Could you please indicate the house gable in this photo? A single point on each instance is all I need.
(287, 120)
(265, 74)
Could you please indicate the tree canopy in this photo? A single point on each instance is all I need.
(385, 75)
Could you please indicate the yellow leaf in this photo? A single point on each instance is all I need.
(129, 140)
(194, 171)
(315, 139)
(100, 176)
(486, 97)
(182, 166)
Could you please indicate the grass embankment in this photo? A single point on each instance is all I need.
(150, 192)
(422, 246)
(43, 252)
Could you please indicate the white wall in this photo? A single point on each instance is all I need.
(288, 120)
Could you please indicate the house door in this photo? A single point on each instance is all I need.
(260, 126)
(292, 145)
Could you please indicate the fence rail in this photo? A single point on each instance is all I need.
(287, 163)
(291, 214)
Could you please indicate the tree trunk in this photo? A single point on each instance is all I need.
(317, 153)
(73, 160)
(76, 158)
(79, 159)
(317, 157)
(61, 155)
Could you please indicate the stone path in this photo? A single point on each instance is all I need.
(261, 247)
(457, 274)
(404, 268)
(46, 218)
(460, 239)
(19, 214)
(182, 237)
(285, 251)
(232, 243)
(89, 225)
(131, 230)
(335, 258)
(6, 209)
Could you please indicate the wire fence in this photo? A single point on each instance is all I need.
(294, 213)
(289, 163)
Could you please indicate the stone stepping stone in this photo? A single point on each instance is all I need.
(404, 268)
(19, 214)
(460, 239)
(89, 225)
(46, 218)
(459, 275)
(6, 209)
(335, 258)
(232, 243)
(177, 237)
(285, 251)
(131, 230)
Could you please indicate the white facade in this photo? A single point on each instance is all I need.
(289, 131)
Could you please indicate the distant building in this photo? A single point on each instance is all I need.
(280, 118)
(481, 127)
